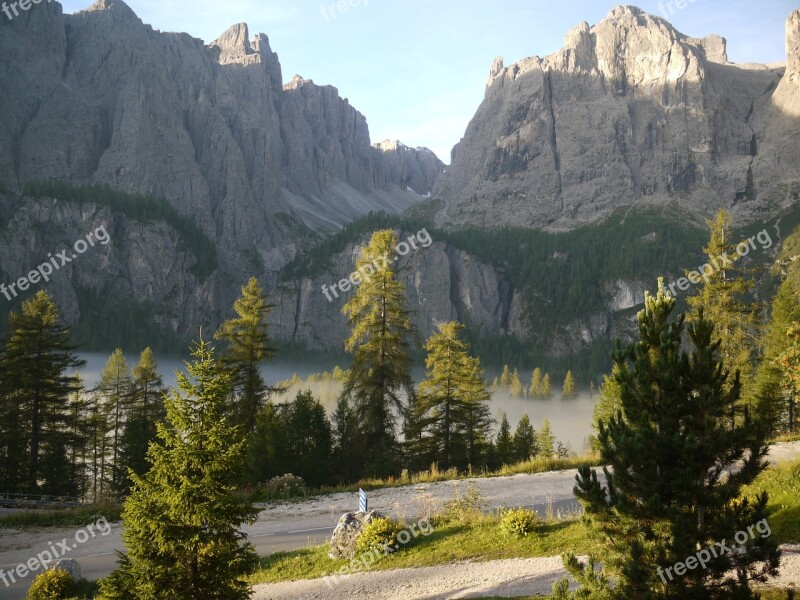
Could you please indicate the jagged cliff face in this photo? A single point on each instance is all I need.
(100, 98)
(630, 111)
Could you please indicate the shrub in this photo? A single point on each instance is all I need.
(376, 533)
(283, 487)
(519, 522)
(464, 509)
(53, 584)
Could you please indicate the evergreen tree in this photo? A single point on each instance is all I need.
(182, 520)
(525, 445)
(504, 445)
(546, 440)
(346, 449)
(721, 300)
(561, 450)
(608, 406)
(568, 390)
(381, 371)
(452, 401)
(677, 471)
(267, 456)
(517, 391)
(248, 345)
(495, 384)
(309, 440)
(115, 389)
(34, 397)
(547, 391)
(146, 408)
(535, 389)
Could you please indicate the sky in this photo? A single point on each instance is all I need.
(417, 69)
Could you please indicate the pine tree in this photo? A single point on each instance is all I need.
(535, 389)
(665, 494)
(505, 376)
(146, 408)
(115, 389)
(504, 445)
(547, 391)
(34, 396)
(182, 520)
(546, 440)
(568, 390)
(517, 391)
(381, 371)
(720, 300)
(248, 345)
(525, 445)
(452, 401)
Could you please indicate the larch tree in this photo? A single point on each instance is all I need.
(676, 473)
(247, 346)
(546, 440)
(379, 340)
(182, 519)
(517, 391)
(115, 389)
(721, 298)
(568, 389)
(452, 400)
(535, 389)
(547, 390)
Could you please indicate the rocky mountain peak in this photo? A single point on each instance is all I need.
(297, 81)
(234, 44)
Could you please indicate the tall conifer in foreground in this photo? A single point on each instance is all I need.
(379, 340)
(677, 471)
(182, 520)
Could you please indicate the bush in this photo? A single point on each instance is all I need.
(283, 487)
(53, 584)
(376, 533)
(464, 509)
(519, 522)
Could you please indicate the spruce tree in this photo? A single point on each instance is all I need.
(34, 395)
(504, 445)
(453, 411)
(347, 452)
(309, 440)
(248, 345)
(677, 471)
(525, 444)
(379, 340)
(182, 520)
(535, 389)
(546, 440)
(568, 389)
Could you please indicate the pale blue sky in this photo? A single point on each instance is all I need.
(417, 68)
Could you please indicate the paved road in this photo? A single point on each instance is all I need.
(296, 525)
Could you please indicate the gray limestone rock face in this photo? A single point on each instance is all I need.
(345, 535)
(630, 111)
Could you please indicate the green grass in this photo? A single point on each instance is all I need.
(69, 517)
(782, 483)
(449, 542)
